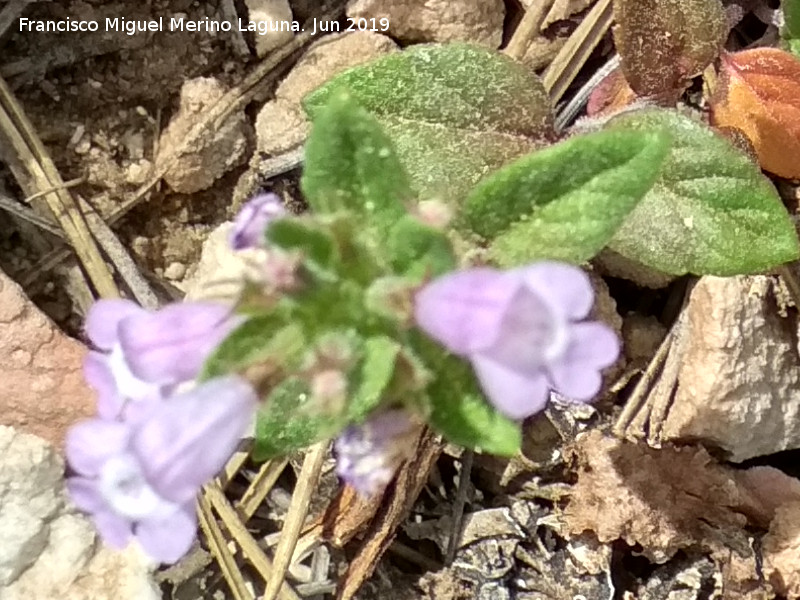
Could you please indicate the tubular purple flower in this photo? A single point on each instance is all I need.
(522, 332)
(139, 479)
(143, 355)
(368, 455)
(252, 220)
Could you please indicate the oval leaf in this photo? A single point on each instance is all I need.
(350, 164)
(663, 44)
(567, 201)
(759, 93)
(711, 212)
(454, 112)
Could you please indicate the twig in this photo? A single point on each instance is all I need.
(30, 215)
(10, 13)
(458, 505)
(260, 486)
(64, 186)
(283, 163)
(42, 174)
(298, 510)
(249, 546)
(528, 28)
(216, 541)
(639, 395)
(573, 55)
(119, 256)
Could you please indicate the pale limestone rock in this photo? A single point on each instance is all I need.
(739, 382)
(201, 164)
(275, 15)
(414, 21)
(49, 550)
(281, 124)
(221, 271)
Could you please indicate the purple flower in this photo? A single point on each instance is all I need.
(139, 479)
(143, 355)
(252, 220)
(522, 332)
(368, 455)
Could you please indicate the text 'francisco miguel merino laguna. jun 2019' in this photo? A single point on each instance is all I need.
(181, 23)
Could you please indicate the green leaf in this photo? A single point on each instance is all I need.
(711, 211)
(454, 112)
(564, 202)
(374, 375)
(350, 164)
(265, 337)
(285, 423)
(457, 409)
(791, 17)
(417, 249)
(304, 234)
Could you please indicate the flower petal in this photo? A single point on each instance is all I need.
(84, 494)
(593, 347)
(115, 531)
(515, 395)
(185, 441)
(167, 540)
(102, 322)
(566, 288)
(91, 443)
(464, 310)
(170, 346)
(98, 375)
(251, 222)
(529, 334)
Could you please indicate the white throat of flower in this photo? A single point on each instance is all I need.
(129, 386)
(124, 487)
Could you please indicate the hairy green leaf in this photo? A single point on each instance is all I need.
(263, 337)
(286, 423)
(350, 164)
(564, 202)
(454, 112)
(711, 211)
(417, 249)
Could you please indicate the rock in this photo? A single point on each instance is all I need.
(42, 390)
(610, 263)
(414, 21)
(199, 166)
(739, 381)
(281, 124)
(642, 336)
(781, 551)
(49, 550)
(273, 16)
(220, 272)
(175, 271)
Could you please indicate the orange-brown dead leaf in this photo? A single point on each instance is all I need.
(759, 93)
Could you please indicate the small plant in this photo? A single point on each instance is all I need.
(435, 280)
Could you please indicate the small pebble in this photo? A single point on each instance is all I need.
(175, 271)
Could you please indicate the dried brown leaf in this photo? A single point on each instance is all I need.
(396, 504)
(663, 43)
